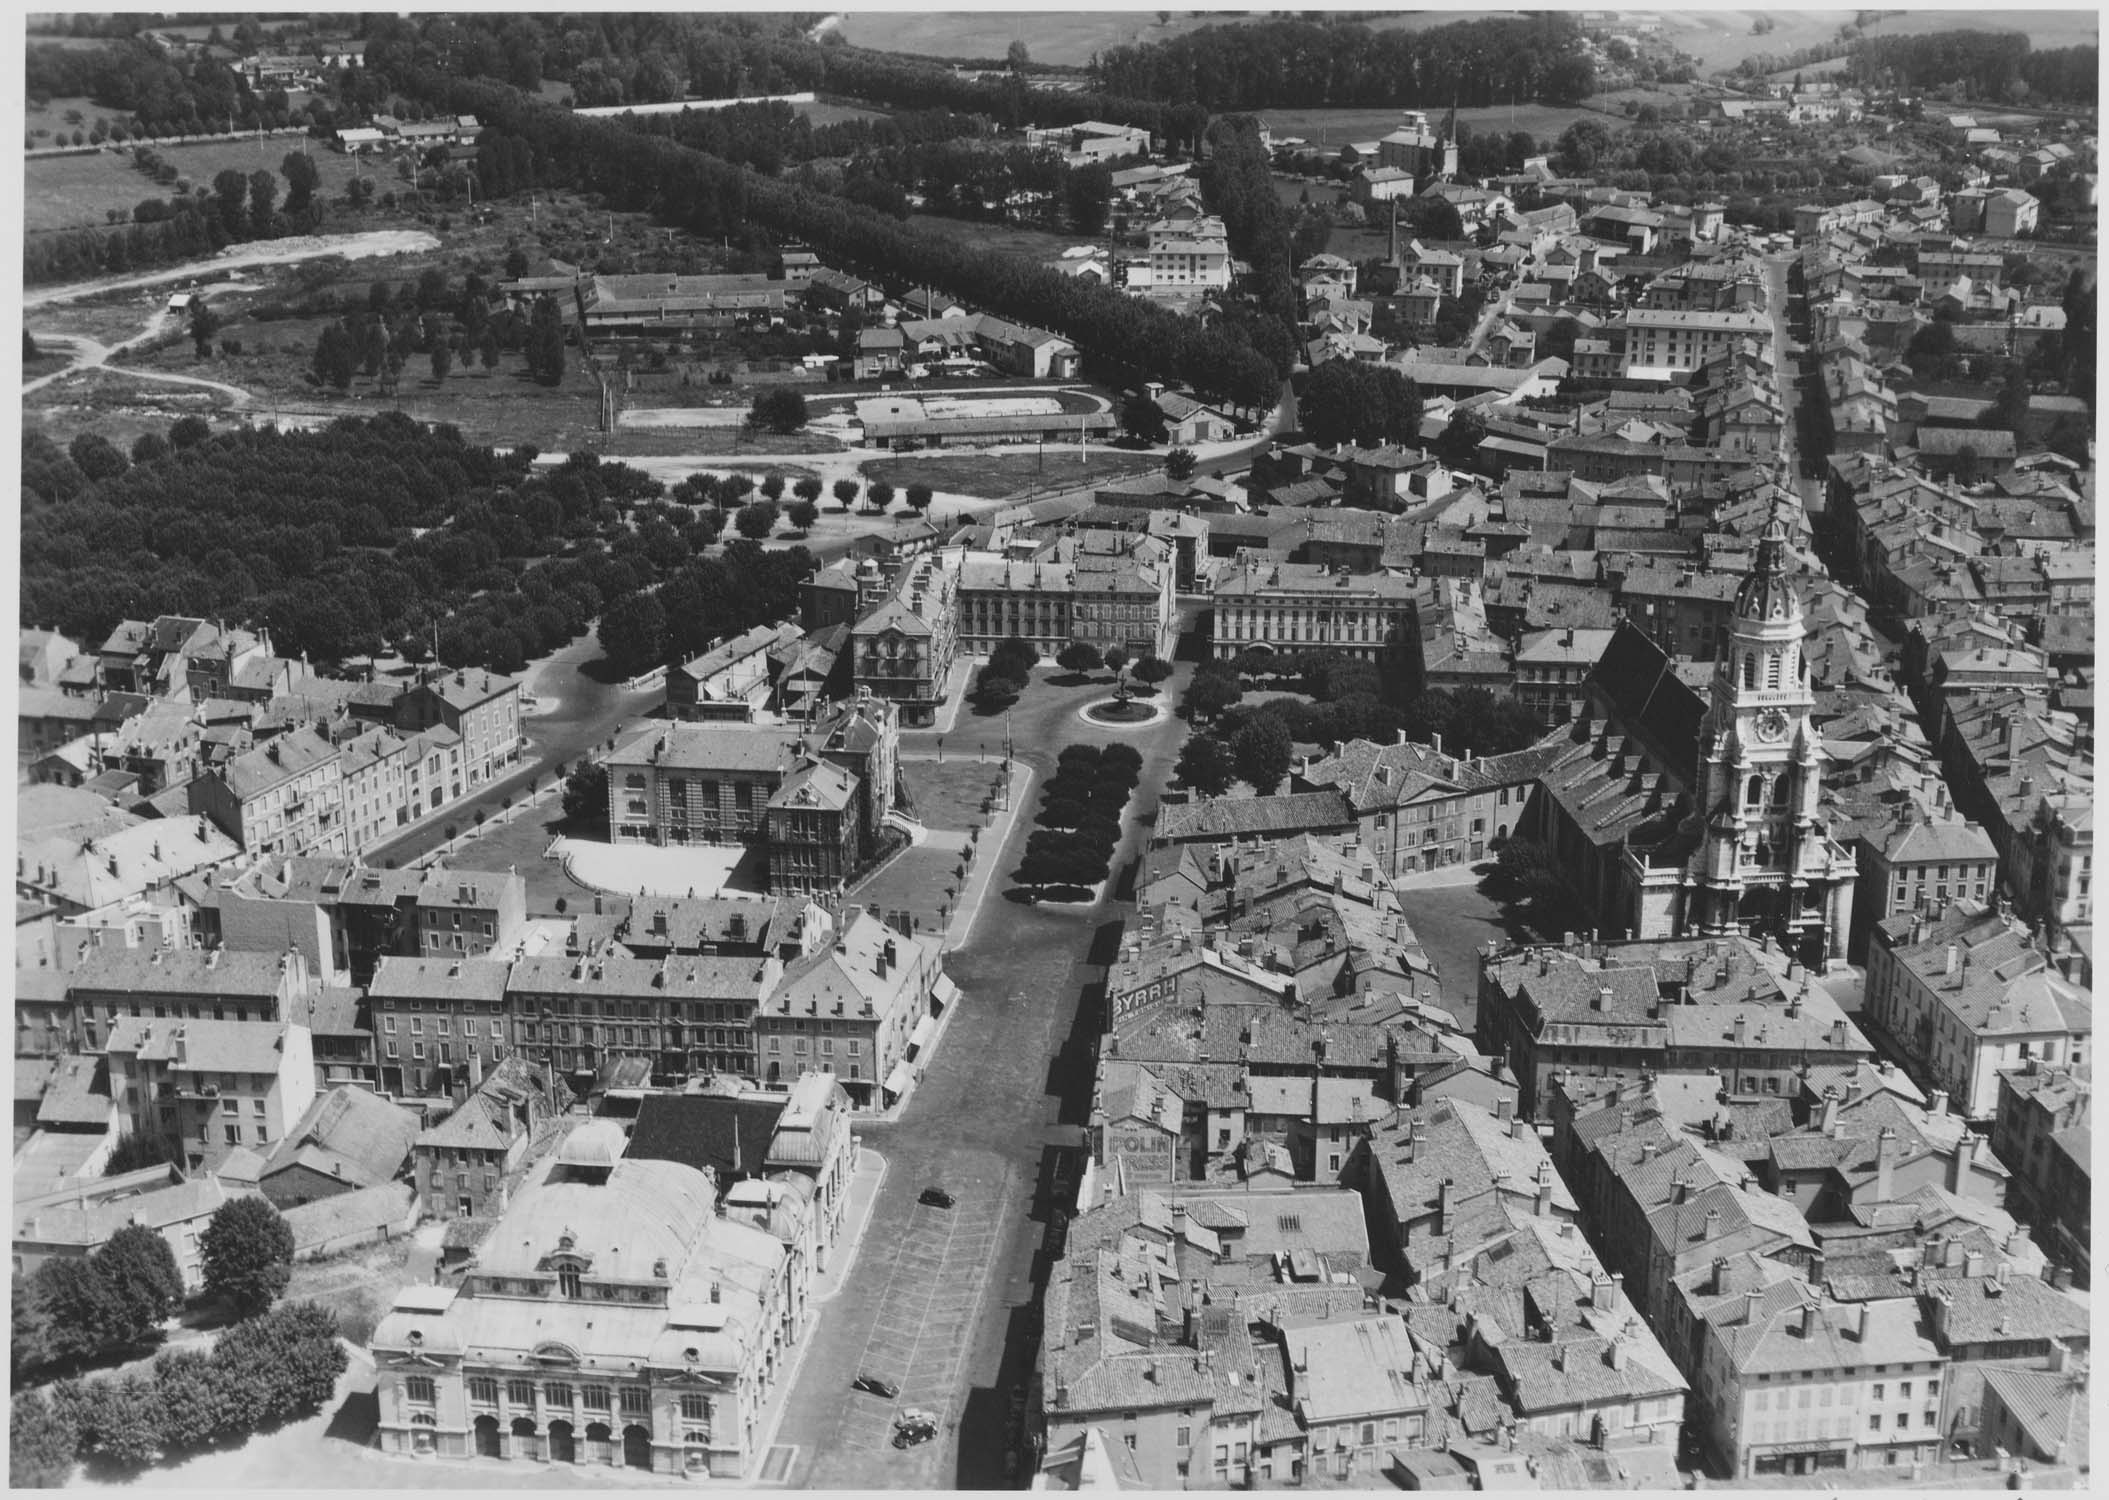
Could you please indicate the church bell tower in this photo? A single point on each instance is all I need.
(1765, 863)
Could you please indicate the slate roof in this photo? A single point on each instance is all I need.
(77, 1091)
(1985, 1310)
(208, 1046)
(727, 1137)
(2050, 1405)
(318, 1224)
(350, 1134)
(1215, 818)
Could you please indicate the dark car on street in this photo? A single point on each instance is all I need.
(874, 1386)
(914, 1426)
(935, 1197)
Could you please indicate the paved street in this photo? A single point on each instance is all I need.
(938, 1302)
(585, 713)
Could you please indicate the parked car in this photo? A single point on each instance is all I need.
(935, 1197)
(874, 1386)
(914, 1425)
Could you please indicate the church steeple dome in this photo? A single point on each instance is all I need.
(1767, 595)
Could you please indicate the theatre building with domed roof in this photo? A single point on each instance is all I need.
(614, 1316)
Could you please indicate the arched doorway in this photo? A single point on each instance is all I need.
(525, 1443)
(636, 1447)
(563, 1446)
(487, 1437)
(600, 1443)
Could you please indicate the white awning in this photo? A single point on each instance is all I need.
(924, 1030)
(897, 1080)
(945, 990)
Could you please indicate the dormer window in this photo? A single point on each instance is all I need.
(568, 1282)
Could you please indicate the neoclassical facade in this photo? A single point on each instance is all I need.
(613, 1317)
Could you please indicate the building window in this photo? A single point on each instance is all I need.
(695, 1408)
(419, 1390)
(483, 1390)
(520, 1393)
(594, 1397)
(636, 1401)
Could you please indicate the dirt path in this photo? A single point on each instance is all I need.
(89, 354)
(284, 252)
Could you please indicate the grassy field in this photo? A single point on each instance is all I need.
(54, 115)
(66, 192)
(825, 112)
(359, 1285)
(1721, 39)
(949, 795)
(490, 406)
(995, 475)
(1001, 239)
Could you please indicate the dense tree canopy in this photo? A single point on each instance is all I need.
(247, 1250)
(1284, 64)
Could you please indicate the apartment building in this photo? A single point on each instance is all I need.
(1672, 1005)
(436, 1020)
(1794, 1383)
(2041, 1131)
(862, 1008)
(1660, 341)
(110, 981)
(903, 649)
(481, 708)
(1968, 994)
(467, 913)
(1419, 809)
(1189, 253)
(1910, 865)
(1551, 666)
(585, 1013)
(464, 1166)
(374, 767)
(812, 828)
(284, 797)
(210, 1088)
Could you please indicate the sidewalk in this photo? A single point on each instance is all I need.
(955, 696)
(865, 1181)
(961, 928)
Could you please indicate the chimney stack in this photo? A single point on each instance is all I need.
(1544, 1209)
(1962, 1163)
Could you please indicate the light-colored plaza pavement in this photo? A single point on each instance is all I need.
(651, 869)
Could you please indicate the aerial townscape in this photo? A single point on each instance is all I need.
(1108, 750)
